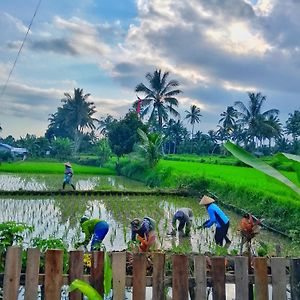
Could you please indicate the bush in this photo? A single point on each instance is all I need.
(6, 156)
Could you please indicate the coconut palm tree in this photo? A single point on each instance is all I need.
(293, 125)
(252, 117)
(194, 117)
(78, 114)
(159, 97)
(228, 118)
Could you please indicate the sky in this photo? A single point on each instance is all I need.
(217, 49)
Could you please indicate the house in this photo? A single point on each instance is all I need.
(15, 151)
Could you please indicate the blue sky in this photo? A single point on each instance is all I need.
(218, 50)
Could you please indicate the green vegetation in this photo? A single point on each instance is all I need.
(39, 167)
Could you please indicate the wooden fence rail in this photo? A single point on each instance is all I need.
(186, 277)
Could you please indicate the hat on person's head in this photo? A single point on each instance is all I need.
(136, 222)
(67, 164)
(206, 200)
(83, 219)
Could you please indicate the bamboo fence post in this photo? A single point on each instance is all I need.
(12, 273)
(158, 276)
(261, 278)
(218, 278)
(75, 271)
(53, 274)
(180, 277)
(119, 274)
(32, 274)
(97, 271)
(278, 265)
(241, 277)
(200, 276)
(139, 276)
(295, 278)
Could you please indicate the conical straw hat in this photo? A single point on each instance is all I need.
(206, 200)
(67, 164)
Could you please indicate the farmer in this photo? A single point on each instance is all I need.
(144, 231)
(249, 228)
(218, 217)
(185, 218)
(68, 175)
(95, 229)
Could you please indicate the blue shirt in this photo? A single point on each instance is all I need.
(216, 216)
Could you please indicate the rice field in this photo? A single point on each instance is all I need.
(58, 217)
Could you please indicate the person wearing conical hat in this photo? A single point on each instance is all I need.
(185, 217)
(68, 175)
(218, 217)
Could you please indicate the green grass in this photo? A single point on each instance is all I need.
(51, 167)
(239, 176)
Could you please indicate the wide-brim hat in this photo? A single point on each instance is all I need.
(67, 164)
(206, 200)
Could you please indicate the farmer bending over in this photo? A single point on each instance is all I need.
(95, 229)
(68, 175)
(185, 218)
(144, 231)
(218, 217)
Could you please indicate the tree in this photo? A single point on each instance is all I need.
(252, 116)
(194, 117)
(79, 114)
(159, 97)
(62, 148)
(122, 134)
(293, 125)
(104, 124)
(228, 119)
(151, 146)
(103, 151)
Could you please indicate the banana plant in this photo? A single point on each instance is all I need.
(262, 166)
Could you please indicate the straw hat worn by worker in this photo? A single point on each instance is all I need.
(68, 175)
(218, 217)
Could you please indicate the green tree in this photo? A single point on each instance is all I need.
(228, 119)
(194, 117)
(122, 134)
(103, 151)
(252, 116)
(79, 114)
(62, 148)
(293, 125)
(159, 97)
(151, 146)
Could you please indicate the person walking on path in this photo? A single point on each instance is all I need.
(68, 175)
(94, 229)
(218, 217)
(144, 231)
(185, 217)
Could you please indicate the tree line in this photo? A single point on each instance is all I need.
(74, 129)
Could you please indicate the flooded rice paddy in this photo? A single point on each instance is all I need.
(58, 217)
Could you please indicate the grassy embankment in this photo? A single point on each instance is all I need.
(45, 167)
(239, 186)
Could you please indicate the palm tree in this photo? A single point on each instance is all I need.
(228, 118)
(194, 117)
(252, 116)
(293, 125)
(151, 146)
(159, 97)
(78, 113)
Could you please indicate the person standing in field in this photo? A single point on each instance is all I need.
(68, 175)
(218, 217)
(94, 229)
(144, 231)
(185, 217)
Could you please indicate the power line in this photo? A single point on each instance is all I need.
(19, 52)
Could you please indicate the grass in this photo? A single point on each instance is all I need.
(52, 167)
(238, 176)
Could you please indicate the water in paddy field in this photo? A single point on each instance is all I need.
(58, 217)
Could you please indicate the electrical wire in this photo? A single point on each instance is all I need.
(19, 52)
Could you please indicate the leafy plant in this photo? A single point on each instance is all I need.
(260, 165)
(86, 289)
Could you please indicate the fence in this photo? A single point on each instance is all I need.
(190, 276)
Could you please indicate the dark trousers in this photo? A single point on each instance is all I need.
(221, 234)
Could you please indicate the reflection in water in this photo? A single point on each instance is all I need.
(44, 182)
(59, 217)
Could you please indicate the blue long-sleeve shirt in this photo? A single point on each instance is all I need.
(216, 216)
